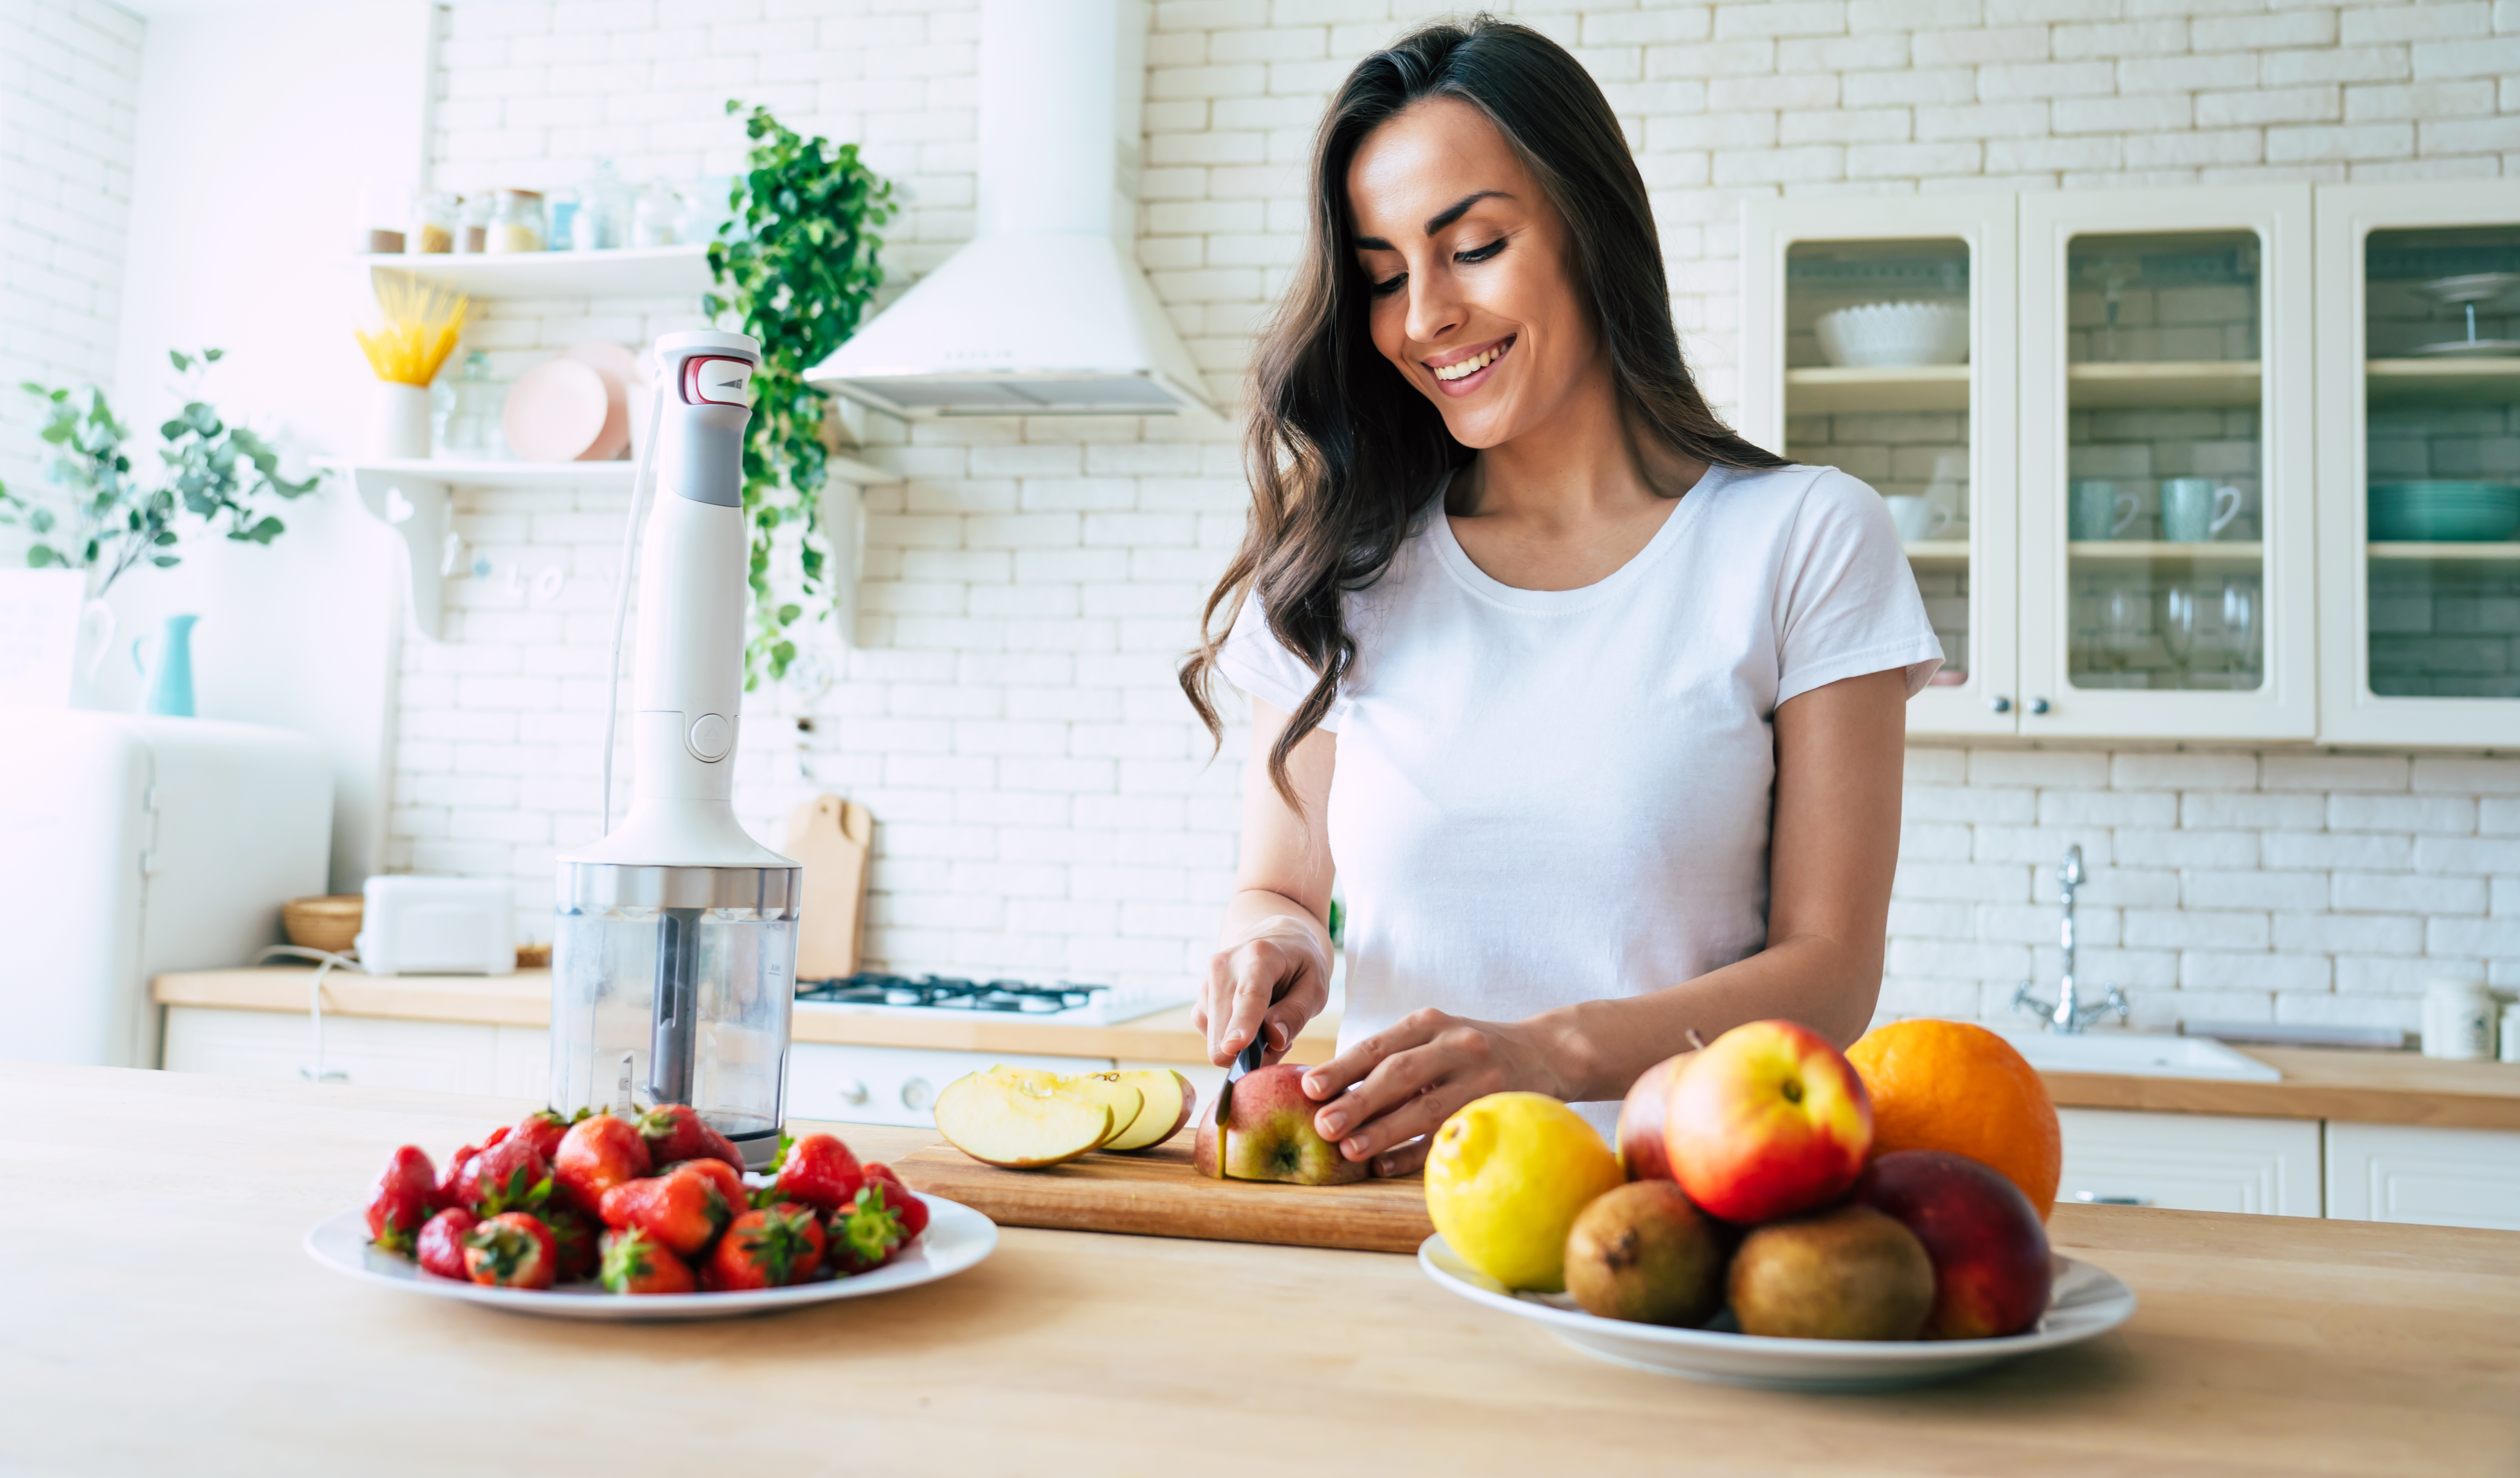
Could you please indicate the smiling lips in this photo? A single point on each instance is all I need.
(1464, 369)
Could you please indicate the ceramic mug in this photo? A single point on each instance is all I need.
(2459, 1020)
(2193, 510)
(1917, 516)
(2098, 510)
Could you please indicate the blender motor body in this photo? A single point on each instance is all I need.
(674, 951)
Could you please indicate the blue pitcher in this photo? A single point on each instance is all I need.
(169, 686)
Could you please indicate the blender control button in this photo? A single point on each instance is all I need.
(915, 1095)
(710, 738)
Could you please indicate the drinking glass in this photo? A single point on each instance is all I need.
(2241, 626)
(2179, 626)
(2122, 618)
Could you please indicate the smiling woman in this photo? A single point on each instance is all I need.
(1594, 707)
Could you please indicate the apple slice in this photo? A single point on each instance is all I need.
(1002, 1123)
(1170, 1101)
(1127, 1102)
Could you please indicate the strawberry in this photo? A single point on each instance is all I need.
(545, 1128)
(682, 1210)
(511, 1250)
(573, 1233)
(597, 1154)
(766, 1249)
(726, 1177)
(676, 1131)
(819, 1171)
(866, 1233)
(900, 1198)
(441, 1243)
(453, 1185)
(508, 1176)
(401, 1200)
(634, 1263)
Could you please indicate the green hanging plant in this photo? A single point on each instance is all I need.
(796, 270)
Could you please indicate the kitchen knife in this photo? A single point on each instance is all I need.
(1243, 1061)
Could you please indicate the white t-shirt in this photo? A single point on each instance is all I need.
(1550, 796)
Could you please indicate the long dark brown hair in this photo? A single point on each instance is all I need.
(1342, 450)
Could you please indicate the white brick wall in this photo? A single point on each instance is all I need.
(1009, 712)
(69, 72)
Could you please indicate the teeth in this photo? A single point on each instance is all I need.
(1470, 365)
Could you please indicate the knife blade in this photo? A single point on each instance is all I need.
(1243, 1061)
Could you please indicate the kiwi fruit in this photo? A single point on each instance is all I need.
(1644, 1252)
(1848, 1273)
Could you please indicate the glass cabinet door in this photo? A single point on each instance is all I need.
(2420, 337)
(2166, 480)
(1878, 340)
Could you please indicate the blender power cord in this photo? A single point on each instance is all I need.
(325, 961)
(642, 488)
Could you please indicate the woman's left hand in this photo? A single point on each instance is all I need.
(1380, 1097)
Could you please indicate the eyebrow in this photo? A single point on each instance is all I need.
(1439, 220)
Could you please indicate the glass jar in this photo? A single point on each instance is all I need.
(472, 224)
(517, 221)
(602, 219)
(658, 211)
(470, 404)
(432, 224)
(563, 221)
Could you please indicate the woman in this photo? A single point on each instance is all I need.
(1596, 709)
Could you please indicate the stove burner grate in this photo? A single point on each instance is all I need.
(952, 993)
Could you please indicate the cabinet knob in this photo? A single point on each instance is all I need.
(2039, 705)
(2000, 703)
(915, 1095)
(855, 1093)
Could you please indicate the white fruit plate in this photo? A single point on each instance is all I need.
(2087, 1302)
(957, 1237)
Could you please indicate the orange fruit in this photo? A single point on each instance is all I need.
(1955, 1086)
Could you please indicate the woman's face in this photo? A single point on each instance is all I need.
(1468, 263)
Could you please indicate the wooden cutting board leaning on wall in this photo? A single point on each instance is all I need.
(832, 837)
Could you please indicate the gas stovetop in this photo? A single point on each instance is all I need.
(926, 994)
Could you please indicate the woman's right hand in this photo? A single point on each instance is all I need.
(1272, 980)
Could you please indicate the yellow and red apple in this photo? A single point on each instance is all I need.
(1640, 1137)
(1992, 1272)
(1267, 1134)
(1769, 1120)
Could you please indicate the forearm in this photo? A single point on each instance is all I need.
(1599, 1047)
(1246, 908)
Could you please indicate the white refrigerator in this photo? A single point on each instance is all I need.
(131, 845)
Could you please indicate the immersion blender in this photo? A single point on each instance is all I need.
(675, 949)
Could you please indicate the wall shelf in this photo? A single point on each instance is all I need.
(627, 271)
(2176, 383)
(1937, 552)
(2442, 382)
(462, 471)
(2165, 551)
(1823, 391)
(2507, 551)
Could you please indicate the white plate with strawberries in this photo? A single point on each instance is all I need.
(2087, 1302)
(957, 1237)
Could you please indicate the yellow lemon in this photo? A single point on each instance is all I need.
(1504, 1178)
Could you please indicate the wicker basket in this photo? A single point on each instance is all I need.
(330, 922)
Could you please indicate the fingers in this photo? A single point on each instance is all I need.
(1408, 1160)
(1350, 1066)
(1255, 987)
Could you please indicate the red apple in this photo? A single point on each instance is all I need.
(1990, 1254)
(1640, 1121)
(1769, 1120)
(1270, 1135)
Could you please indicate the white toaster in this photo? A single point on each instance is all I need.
(438, 926)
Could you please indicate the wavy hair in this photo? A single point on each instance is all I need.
(1342, 451)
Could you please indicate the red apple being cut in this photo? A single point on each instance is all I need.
(1992, 1270)
(1769, 1120)
(1640, 1140)
(1269, 1135)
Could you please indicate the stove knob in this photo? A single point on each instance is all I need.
(916, 1096)
(855, 1093)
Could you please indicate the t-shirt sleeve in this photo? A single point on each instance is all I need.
(1847, 602)
(1254, 661)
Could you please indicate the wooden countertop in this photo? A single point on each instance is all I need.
(2357, 1087)
(179, 1326)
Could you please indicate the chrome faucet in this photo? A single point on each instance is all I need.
(2066, 1014)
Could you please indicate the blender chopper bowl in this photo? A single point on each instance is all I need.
(674, 950)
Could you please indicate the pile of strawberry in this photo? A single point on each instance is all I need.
(655, 1204)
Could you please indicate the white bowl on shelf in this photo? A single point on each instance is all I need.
(1895, 336)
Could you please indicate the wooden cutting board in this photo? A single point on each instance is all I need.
(1155, 1193)
(831, 836)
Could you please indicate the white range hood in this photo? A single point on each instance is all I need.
(1045, 311)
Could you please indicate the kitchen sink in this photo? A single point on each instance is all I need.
(2143, 1054)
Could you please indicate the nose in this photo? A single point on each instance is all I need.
(1434, 308)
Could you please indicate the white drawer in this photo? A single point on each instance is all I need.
(891, 1084)
(442, 1057)
(2191, 1162)
(2434, 1177)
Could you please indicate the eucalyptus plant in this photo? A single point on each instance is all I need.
(796, 270)
(107, 519)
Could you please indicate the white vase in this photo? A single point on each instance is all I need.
(401, 426)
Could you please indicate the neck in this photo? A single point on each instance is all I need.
(1577, 466)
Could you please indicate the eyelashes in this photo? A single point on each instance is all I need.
(1471, 258)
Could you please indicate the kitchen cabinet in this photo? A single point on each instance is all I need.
(439, 1057)
(2434, 1177)
(1938, 435)
(892, 1085)
(2419, 393)
(2190, 1162)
